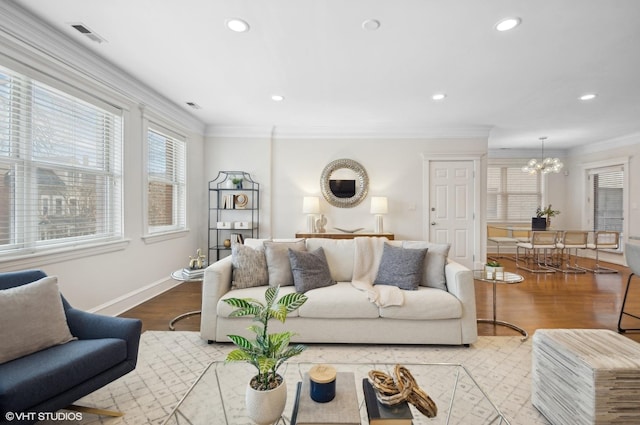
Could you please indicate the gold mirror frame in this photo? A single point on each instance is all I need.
(362, 183)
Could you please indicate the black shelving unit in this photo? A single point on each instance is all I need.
(232, 204)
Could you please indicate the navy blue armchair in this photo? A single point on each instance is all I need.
(106, 348)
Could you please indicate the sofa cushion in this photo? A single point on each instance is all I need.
(278, 264)
(425, 304)
(32, 379)
(31, 319)
(434, 263)
(224, 310)
(401, 267)
(249, 267)
(339, 301)
(339, 254)
(310, 270)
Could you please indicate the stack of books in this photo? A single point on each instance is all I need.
(188, 273)
(342, 410)
(381, 414)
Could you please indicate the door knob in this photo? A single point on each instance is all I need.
(433, 223)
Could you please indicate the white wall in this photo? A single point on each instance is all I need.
(290, 168)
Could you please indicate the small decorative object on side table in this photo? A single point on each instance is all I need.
(507, 278)
(193, 273)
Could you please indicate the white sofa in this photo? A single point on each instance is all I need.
(341, 313)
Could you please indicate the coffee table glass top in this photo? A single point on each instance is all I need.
(217, 396)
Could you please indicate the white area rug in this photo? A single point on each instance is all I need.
(169, 362)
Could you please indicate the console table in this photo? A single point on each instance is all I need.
(389, 236)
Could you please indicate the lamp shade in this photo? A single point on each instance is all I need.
(379, 205)
(311, 205)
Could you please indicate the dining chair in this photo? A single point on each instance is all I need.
(603, 239)
(632, 255)
(541, 241)
(568, 240)
(499, 237)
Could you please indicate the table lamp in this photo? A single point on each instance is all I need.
(378, 208)
(311, 207)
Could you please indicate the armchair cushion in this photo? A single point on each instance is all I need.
(33, 379)
(32, 318)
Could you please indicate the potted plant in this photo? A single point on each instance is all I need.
(547, 212)
(493, 269)
(266, 392)
(237, 181)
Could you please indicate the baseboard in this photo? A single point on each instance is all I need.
(128, 301)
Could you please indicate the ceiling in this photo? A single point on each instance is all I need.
(335, 75)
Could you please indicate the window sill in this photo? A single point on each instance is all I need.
(38, 259)
(149, 239)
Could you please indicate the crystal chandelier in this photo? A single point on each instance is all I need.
(546, 165)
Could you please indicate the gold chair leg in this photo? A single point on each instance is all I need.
(94, 410)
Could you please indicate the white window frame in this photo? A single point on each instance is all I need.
(180, 207)
(587, 187)
(27, 252)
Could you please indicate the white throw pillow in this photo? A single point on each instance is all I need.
(278, 264)
(434, 263)
(32, 318)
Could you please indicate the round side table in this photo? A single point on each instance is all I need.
(177, 275)
(506, 278)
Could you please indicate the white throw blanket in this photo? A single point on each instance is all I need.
(366, 260)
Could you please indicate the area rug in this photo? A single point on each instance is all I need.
(169, 362)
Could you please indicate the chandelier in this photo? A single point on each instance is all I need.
(545, 165)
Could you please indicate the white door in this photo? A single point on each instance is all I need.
(451, 203)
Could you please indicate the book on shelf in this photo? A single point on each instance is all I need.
(342, 410)
(380, 414)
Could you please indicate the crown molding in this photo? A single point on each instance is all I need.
(39, 40)
(326, 132)
(606, 145)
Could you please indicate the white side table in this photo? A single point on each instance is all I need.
(506, 278)
(177, 275)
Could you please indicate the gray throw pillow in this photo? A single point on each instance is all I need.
(249, 267)
(401, 267)
(278, 264)
(434, 264)
(310, 270)
(32, 318)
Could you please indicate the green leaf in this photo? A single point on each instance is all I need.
(279, 312)
(266, 364)
(292, 301)
(242, 342)
(238, 356)
(237, 302)
(270, 295)
(245, 311)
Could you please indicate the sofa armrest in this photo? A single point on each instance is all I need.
(85, 325)
(460, 283)
(216, 283)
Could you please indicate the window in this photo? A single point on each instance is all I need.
(166, 194)
(608, 196)
(60, 168)
(512, 195)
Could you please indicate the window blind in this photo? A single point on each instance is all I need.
(60, 161)
(608, 199)
(511, 194)
(166, 174)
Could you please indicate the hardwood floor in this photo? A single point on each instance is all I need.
(542, 301)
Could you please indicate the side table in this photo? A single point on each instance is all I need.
(506, 278)
(177, 275)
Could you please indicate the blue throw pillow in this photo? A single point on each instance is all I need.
(401, 267)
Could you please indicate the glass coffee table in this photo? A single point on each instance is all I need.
(217, 396)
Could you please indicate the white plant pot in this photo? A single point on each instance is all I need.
(266, 407)
(494, 272)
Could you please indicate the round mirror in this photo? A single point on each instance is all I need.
(344, 183)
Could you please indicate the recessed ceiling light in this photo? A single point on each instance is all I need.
(588, 96)
(237, 25)
(508, 24)
(277, 98)
(438, 96)
(371, 24)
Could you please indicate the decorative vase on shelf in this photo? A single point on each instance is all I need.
(229, 184)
